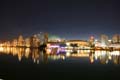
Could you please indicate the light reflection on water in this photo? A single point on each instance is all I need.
(104, 57)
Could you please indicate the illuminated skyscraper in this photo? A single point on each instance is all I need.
(14, 43)
(116, 38)
(91, 41)
(104, 40)
(34, 41)
(20, 41)
(27, 42)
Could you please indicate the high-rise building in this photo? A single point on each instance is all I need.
(27, 42)
(91, 41)
(34, 41)
(104, 40)
(14, 43)
(116, 38)
(43, 37)
(40, 37)
(20, 41)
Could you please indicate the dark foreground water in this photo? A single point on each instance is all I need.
(25, 64)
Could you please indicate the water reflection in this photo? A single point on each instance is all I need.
(106, 56)
(37, 56)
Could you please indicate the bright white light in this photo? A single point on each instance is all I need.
(68, 54)
(109, 40)
(115, 53)
(54, 46)
(67, 44)
(96, 40)
(1, 48)
(110, 57)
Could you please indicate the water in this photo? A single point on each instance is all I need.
(21, 63)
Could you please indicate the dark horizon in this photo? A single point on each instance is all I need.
(69, 19)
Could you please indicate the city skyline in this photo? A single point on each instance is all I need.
(69, 19)
(59, 39)
(54, 37)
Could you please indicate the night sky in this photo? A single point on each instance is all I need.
(65, 18)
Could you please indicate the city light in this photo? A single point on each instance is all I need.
(103, 49)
